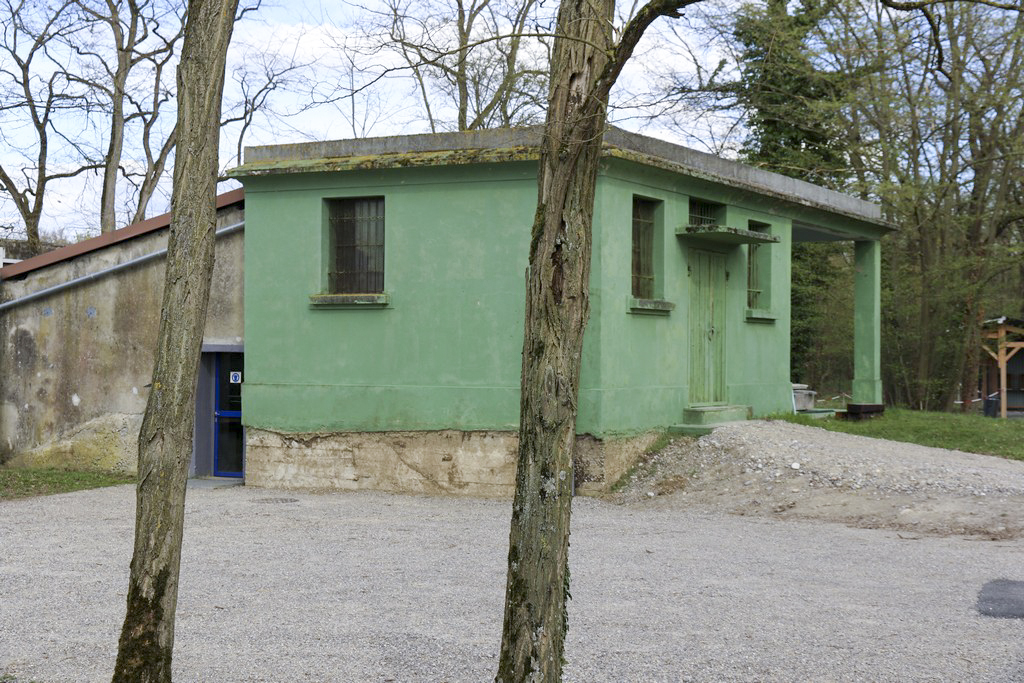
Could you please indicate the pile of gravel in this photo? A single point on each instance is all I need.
(780, 468)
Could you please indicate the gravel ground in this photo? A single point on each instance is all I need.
(780, 469)
(283, 586)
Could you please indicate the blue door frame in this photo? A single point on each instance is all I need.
(228, 433)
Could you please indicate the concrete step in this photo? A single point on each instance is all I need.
(706, 415)
(692, 430)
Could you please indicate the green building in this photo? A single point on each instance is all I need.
(384, 287)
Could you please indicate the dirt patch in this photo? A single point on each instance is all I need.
(782, 470)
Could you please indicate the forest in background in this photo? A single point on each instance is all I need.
(921, 112)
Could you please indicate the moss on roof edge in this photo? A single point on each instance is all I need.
(451, 157)
(455, 157)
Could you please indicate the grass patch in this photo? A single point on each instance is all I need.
(970, 433)
(24, 482)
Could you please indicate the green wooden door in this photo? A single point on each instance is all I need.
(707, 328)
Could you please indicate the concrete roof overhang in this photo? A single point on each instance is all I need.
(522, 144)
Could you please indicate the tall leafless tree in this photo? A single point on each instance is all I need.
(475, 63)
(36, 94)
(87, 87)
(125, 66)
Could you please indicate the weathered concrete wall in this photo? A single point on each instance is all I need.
(479, 463)
(106, 443)
(74, 365)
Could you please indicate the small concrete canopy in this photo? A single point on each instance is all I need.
(384, 303)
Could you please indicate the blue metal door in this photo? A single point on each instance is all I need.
(228, 433)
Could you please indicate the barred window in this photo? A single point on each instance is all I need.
(754, 286)
(356, 257)
(758, 270)
(705, 213)
(643, 248)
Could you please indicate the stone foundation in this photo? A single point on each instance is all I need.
(473, 463)
(441, 462)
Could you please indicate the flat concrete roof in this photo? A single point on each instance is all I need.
(518, 144)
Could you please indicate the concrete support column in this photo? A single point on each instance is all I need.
(867, 323)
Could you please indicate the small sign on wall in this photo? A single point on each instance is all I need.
(235, 377)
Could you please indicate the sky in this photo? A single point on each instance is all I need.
(310, 33)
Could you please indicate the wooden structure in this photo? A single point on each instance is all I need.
(1002, 338)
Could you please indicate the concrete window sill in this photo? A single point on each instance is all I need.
(379, 300)
(650, 306)
(758, 315)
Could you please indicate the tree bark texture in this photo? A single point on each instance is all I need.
(165, 440)
(557, 307)
(585, 64)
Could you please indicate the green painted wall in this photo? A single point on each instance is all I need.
(445, 351)
(644, 355)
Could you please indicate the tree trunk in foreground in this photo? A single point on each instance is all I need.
(557, 307)
(165, 440)
(584, 66)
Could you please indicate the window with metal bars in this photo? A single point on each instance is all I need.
(758, 269)
(356, 245)
(705, 213)
(643, 247)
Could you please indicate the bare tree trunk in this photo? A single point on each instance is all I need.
(165, 440)
(152, 179)
(971, 356)
(585, 64)
(970, 353)
(32, 230)
(108, 208)
(124, 45)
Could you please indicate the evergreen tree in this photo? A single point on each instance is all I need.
(791, 106)
(793, 111)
